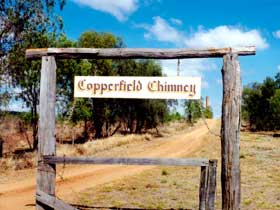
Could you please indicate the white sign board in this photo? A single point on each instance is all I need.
(137, 87)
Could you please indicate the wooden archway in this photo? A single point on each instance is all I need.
(231, 107)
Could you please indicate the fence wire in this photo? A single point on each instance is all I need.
(205, 122)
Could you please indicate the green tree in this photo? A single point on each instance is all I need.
(100, 109)
(26, 24)
(136, 114)
(20, 19)
(139, 114)
(172, 116)
(260, 105)
(102, 114)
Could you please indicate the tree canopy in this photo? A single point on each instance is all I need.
(133, 115)
(261, 104)
(27, 19)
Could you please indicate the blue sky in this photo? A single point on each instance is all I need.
(188, 24)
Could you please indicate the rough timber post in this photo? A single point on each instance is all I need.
(230, 133)
(46, 172)
(203, 188)
(211, 185)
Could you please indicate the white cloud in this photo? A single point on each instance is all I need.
(226, 36)
(163, 31)
(119, 9)
(276, 34)
(147, 36)
(278, 67)
(150, 2)
(204, 83)
(188, 67)
(220, 36)
(176, 21)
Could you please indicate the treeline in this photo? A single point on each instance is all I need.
(261, 104)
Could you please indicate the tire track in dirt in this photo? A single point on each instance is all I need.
(20, 195)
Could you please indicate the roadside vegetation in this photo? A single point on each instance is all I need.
(18, 155)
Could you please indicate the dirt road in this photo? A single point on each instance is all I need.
(20, 195)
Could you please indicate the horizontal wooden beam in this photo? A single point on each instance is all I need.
(126, 53)
(52, 201)
(126, 161)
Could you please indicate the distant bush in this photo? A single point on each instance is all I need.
(208, 113)
(195, 110)
(169, 117)
(164, 172)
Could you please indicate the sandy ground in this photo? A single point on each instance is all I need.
(19, 192)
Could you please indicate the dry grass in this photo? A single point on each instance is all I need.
(15, 163)
(117, 142)
(15, 140)
(159, 188)
(15, 134)
(107, 144)
(260, 165)
(93, 147)
(177, 187)
(28, 160)
(176, 127)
